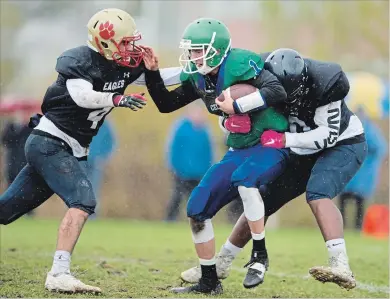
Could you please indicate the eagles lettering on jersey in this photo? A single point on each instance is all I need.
(83, 63)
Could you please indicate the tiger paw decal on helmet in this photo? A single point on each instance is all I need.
(106, 30)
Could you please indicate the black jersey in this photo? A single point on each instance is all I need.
(323, 106)
(105, 76)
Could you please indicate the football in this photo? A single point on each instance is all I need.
(238, 90)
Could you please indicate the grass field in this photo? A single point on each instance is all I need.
(144, 259)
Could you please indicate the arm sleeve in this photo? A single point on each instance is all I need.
(271, 90)
(170, 76)
(327, 118)
(84, 96)
(169, 101)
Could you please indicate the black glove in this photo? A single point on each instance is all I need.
(132, 101)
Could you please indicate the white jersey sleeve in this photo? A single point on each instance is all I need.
(82, 93)
(327, 118)
(170, 76)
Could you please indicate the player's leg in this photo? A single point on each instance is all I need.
(343, 198)
(176, 198)
(359, 211)
(262, 167)
(95, 174)
(234, 210)
(213, 192)
(333, 170)
(67, 177)
(25, 193)
(285, 188)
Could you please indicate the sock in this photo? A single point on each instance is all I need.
(230, 249)
(337, 250)
(336, 246)
(61, 262)
(209, 269)
(258, 241)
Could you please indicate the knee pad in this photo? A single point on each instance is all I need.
(197, 203)
(202, 231)
(252, 202)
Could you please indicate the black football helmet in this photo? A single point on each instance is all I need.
(291, 70)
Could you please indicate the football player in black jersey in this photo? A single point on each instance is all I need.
(91, 82)
(327, 146)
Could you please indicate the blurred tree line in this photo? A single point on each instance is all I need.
(354, 33)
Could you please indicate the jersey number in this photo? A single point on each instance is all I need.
(297, 125)
(97, 115)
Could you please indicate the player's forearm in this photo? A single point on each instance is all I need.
(271, 90)
(165, 100)
(327, 118)
(269, 93)
(170, 77)
(84, 96)
(314, 139)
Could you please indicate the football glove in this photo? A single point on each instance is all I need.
(238, 123)
(133, 101)
(273, 139)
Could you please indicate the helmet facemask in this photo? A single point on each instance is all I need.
(124, 51)
(301, 89)
(128, 54)
(208, 56)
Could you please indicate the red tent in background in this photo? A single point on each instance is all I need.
(10, 105)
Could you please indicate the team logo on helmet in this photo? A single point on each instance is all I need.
(106, 30)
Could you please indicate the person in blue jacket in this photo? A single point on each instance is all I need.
(100, 151)
(189, 155)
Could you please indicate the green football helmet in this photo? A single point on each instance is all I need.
(211, 37)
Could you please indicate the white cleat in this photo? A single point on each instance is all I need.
(67, 283)
(337, 272)
(223, 265)
(191, 275)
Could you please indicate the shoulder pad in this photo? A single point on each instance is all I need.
(243, 64)
(329, 81)
(76, 63)
(185, 76)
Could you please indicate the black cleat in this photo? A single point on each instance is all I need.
(258, 265)
(203, 287)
